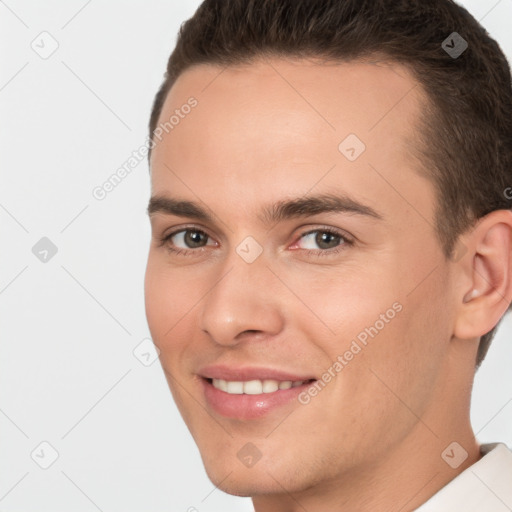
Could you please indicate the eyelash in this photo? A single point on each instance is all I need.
(344, 242)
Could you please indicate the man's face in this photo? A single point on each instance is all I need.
(260, 296)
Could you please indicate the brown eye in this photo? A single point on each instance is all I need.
(321, 239)
(195, 239)
(186, 239)
(326, 240)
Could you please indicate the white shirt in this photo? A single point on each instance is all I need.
(486, 486)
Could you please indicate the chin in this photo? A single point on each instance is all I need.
(243, 482)
(267, 476)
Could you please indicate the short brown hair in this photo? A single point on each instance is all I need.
(465, 140)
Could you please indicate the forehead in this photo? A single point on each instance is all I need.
(285, 126)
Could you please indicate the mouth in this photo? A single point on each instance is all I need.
(255, 386)
(252, 399)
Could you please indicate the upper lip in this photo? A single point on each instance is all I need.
(246, 373)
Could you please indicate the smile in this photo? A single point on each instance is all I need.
(254, 387)
(251, 399)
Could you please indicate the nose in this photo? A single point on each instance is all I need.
(242, 301)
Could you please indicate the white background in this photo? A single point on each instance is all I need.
(68, 375)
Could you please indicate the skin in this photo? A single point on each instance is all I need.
(270, 131)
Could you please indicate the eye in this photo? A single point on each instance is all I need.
(322, 241)
(186, 239)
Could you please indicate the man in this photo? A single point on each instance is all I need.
(331, 249)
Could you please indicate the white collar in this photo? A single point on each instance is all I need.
(486, 486)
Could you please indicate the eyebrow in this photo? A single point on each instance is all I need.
(282, 210)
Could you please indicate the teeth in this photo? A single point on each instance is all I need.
(269, 386)
(220, 384)
(235, 388)
(254, 387)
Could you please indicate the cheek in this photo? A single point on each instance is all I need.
(156, 299)
(168, 300)
(387, 338)
(343, 303)
(399, 367)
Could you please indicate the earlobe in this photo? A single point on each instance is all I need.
(486, 273)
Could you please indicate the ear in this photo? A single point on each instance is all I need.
(484, 280)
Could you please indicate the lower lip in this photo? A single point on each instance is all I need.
(249, 407)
